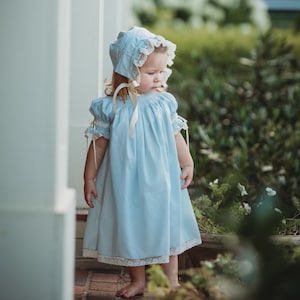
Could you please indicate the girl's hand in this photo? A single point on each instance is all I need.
(186, 176)
(89, 192)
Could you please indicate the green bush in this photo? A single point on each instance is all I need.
(240, 94)
(256, 267)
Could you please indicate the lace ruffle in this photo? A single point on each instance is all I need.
(97, 129)
(180, 123)
(140, 262)
(153, 43)
(144, 52)
(131, 49)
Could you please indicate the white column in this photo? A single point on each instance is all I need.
(95, 23)
(36, 207)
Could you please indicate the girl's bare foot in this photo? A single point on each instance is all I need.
(131, 290)
(174, 285)
(171, 271)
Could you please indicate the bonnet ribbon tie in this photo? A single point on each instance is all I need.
(133, 97)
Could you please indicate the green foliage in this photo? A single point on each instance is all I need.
(241, 97)
(259, 268)
(237, 13)
(216, 13)
(223, 209)
(216, 279)
(158, 283)
(275, 264)
(289, 227)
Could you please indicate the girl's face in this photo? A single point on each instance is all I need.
(152, 72)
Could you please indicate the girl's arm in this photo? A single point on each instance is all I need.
(185, 160)
(91, 169)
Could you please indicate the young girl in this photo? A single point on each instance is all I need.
(138, 165)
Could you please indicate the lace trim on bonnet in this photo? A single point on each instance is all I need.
(131, 49)
(155, 42)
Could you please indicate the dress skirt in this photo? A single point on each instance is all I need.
(141, 216)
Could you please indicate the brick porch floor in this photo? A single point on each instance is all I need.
(94, 281)
(101, 285)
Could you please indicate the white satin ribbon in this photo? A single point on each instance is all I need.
(133, 96)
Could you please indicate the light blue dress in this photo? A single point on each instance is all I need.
(141, 216)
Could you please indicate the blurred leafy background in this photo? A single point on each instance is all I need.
(237, 80)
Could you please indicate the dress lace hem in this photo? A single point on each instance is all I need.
(128, 262)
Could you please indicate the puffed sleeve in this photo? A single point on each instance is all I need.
(178, 122)
(101, 110)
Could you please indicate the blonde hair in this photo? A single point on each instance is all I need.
(118, 79)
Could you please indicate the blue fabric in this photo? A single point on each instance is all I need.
(131, 49)
(142, 216)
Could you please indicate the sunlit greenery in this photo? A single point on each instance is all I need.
(255, 267)
(240, 94)
(237, 81)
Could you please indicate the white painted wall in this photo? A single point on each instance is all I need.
(54, 59)
(37, 208)
(95, 23)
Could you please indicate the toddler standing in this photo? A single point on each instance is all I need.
(138, 165)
